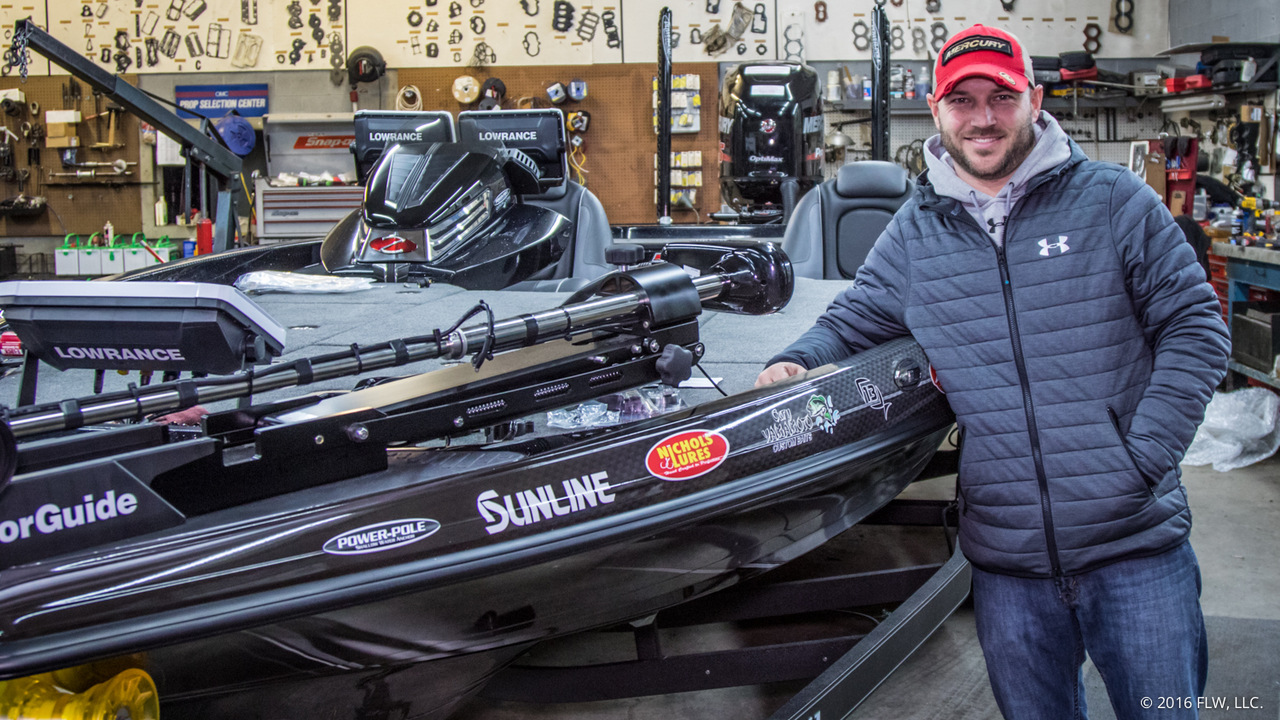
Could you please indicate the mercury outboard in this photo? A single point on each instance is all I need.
(770, 132)
(451, 211)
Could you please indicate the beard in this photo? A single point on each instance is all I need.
(1024, 140)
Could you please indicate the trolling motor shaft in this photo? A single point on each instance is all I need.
(656, 294)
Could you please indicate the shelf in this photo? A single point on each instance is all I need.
(1253, 373)
(1236, 89)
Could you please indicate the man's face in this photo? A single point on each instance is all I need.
(987, 127)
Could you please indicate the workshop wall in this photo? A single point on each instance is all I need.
(620, 141)
(76, 205)
(1195, 21)
(216, 36)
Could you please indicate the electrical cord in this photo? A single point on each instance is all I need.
(409, 98)
(578, 163)
(710, 379)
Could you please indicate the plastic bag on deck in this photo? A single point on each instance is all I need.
(624, 407)
(275, 281)
(1239, 429)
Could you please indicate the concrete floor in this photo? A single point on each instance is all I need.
(1236, 535)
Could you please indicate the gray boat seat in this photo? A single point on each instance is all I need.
(834, 226)
(583, 261)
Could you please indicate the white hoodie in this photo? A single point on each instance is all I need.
(1052, 148)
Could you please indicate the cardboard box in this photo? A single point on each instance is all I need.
(62, 142)
(61, 116)
(59, 129)
(1251, 113)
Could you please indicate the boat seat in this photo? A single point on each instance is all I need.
(583, 261)
(834, 226)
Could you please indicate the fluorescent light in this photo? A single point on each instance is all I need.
(1197, 102)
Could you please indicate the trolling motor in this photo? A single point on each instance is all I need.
(639, 302)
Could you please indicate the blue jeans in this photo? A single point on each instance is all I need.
(1139, 620)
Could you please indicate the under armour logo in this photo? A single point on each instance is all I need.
(1060, 246)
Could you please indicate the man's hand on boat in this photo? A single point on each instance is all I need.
(778, 371)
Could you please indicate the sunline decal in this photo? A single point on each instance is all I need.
(527, 507)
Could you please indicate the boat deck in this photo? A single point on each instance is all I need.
(737, 345)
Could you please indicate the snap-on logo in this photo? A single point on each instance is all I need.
(687, 455)
(323, 142)
(381, 536)
(393, 245)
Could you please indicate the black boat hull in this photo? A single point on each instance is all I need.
(245, 608)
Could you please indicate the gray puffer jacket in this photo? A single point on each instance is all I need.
(1078, 359)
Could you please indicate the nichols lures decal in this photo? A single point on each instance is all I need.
(788, 430)
(381, 536)
(687, 455)
(543, 503)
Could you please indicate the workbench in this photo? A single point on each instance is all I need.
(1249, 267)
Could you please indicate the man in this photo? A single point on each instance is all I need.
(1078, 343)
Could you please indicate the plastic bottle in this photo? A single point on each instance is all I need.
(924, 85)
(1200, 206)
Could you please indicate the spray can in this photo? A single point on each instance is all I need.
(204, 236)
(866, 88)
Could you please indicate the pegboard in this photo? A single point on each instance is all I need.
(1089, 130)
(620, 143)
(84, 206)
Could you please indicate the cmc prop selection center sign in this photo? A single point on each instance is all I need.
(215, 101)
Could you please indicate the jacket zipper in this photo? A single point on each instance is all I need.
(1036, 455)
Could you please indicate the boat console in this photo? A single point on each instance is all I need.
(156, 326)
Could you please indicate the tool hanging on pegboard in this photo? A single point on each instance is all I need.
(563, 20)
(587, 25)
(1092, 38)
(760, 20)
(1123, 21)
(861, 35)
(940, 35)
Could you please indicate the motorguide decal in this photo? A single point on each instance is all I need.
(50, 518)
(543, 503)
(381, 536)
(686, 455)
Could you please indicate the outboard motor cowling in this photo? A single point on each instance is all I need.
(771, 130)
(448, 212)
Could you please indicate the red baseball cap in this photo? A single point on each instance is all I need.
(982, 51)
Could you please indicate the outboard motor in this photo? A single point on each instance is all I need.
(448, 212)
(770, 131)
(452, 211)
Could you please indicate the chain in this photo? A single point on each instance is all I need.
(18, 53)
